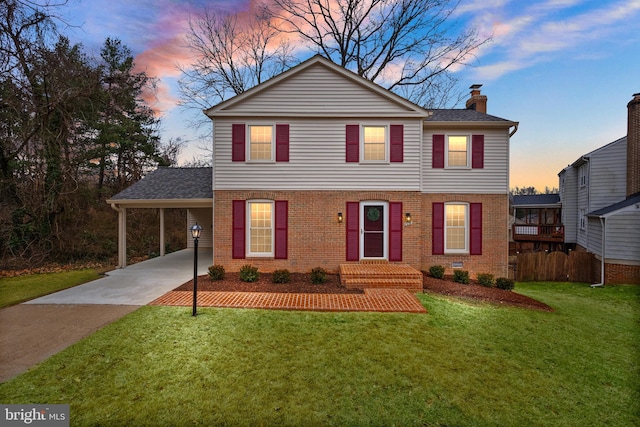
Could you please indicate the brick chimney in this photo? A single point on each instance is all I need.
(633, 146)
(476, 101)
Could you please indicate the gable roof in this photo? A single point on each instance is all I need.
(168, 186)
(537, 200)
(585, 157)
(225, 108)
(631, 204)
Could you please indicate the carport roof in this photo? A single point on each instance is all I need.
(179, 187)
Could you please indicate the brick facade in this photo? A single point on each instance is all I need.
(317, 239)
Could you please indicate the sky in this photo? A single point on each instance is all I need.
(564, 69)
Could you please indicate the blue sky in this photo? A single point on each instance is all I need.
(564, 69)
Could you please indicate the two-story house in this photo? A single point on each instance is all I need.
(600, 195)
(318, 167)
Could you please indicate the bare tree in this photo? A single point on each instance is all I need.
(234, 52)
(408, 46)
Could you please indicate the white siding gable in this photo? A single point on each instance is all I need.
(318, 91)
(608, 175)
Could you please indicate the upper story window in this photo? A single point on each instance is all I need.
(456, 227)
(583, 177)
(457, 151)
(260, 142)
(582, 219)
(374, 142)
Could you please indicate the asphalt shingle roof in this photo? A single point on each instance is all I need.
(462, 115)
(536, 199)
(616, 206)
(171, 183)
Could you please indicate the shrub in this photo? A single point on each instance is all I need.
(485, 279)
(504, 283)
(436, 271)
(318, 276)
(249, 273)
(216, 272)
(461, 276)
(281, 276)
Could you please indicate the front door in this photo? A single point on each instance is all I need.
(373, 234)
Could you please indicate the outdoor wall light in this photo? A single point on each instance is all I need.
(407, 219)
(340, 218)
(195, 233)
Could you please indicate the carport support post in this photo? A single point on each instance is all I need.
(161, 231)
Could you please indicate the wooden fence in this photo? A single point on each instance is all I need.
(556, 267)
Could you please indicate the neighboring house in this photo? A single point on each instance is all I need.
(600, 195)
(537, 223)
(319, 167)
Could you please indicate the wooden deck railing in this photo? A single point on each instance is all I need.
(538, 233)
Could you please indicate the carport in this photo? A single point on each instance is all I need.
(166, 188)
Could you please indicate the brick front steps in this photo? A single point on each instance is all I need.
(381, 300)
(381, 275)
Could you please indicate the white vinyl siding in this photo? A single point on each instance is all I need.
(607, 175)
(317, 150)
(319, 91)
(623, 237)
(493, 178)
(568, 197)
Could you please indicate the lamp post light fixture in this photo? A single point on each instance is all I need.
(196, 230)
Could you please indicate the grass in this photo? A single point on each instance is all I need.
(14, 290)
(462, 364)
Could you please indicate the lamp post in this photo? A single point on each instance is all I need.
(195, 233)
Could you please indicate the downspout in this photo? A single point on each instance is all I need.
(604, 245)
(515, 129)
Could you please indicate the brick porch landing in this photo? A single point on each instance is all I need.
(382, 300)
(381, 275)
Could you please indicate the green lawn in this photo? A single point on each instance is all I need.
(14, 290)
(461, 364)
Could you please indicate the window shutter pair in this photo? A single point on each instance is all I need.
(477, 151)
(396, 143)
(475, 229)
(239, 224)
(239, 142)
(395, 231)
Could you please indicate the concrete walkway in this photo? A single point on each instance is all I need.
(138, 284)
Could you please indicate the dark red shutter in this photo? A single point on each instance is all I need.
(353, 143)
(353, 231)
(238, 220)
(437, 229)
(437, 160)
(396, 137)
(477, 151)
(475, 231)
(238, 142)
(395, 231)
(282, 225)
(282, 143)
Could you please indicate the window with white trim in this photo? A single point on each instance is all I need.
(582, 219)
(260, 228)
(261, 142)
(456, 227)
(375, 143)
(457, 151)
(583, 175)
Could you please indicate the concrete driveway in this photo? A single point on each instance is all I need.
(138, 284)
(35, 330)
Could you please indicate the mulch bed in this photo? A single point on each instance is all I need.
(301, 283)
(477, 292)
